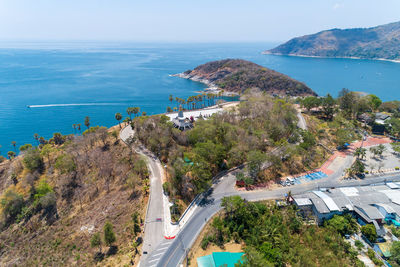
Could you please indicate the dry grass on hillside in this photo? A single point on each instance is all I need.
(106, 184)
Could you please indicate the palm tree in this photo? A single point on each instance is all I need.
(136, 111)
(130, 111)
(13, 143)
(171, 98)
(118, 117)
(144, 113)
(36, 136)
(11, 155)
(79, 127)
(74, 126)
(87, 121)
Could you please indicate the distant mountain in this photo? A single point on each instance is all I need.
(236, 75)
(381, 42)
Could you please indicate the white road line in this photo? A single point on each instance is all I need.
(158, 254)
(154, 260)
(161, 249)
(153, 265)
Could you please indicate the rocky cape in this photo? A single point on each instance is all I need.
(236, 75)
(381, 42)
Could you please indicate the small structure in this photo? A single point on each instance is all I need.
(381, 118)
(216, 259)
(366, 118)
(181, 122)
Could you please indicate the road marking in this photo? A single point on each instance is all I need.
(154, 260)
(153, 265)
(158, 254)
(161, 249)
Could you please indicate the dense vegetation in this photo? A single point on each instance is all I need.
(227, 140)
(238, 75)
(381, 42)
(277, 237)
(55, 196)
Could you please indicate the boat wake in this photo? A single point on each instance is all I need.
(75, 104)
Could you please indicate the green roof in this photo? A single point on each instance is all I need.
(218, 259)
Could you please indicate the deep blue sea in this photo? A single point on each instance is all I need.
(108, 78)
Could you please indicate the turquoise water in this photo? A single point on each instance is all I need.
(107, 78)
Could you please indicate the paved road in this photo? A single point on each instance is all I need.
(153, 228)
(302, 122)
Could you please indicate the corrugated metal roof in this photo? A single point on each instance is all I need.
(302, 201)
(392, 186)
(349, 191)
(371, 211)
(327, 200)
(386, 207)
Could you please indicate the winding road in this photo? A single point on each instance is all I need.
(158, 251)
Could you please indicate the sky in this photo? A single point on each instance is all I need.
(186, 20)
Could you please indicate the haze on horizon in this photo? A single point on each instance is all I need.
(186, 21)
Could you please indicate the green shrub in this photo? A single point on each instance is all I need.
(369, 232)
(166, 187)
(65, 163)
(359, 244)
(397, 168)
(109, 236)
(33, 161)
(12, 204)
(204, 243)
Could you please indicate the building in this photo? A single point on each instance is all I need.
(381, 118)
(377, 204)
(181, 122)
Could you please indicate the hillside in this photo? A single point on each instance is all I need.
(54, 198)
(381, 42)
(236, 75)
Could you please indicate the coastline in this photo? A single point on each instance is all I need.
(212, 87)
(308, 56)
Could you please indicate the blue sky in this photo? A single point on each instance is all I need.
(189, 20)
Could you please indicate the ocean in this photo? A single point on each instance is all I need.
(64, 82)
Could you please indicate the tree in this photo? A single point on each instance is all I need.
(13, 143)
(347, 101)
(12, 204)
(374, 102)
(360, 152)
(11, 155)
(87, 121)
(369, 232)
(395, 252)
(46, 151)
(380, 149)
(144, 113)
(136, 110)
(118, 117)
(169, 109)
(343, 224)
(328, 106)
(374, 151)
(311, 102)
(255, 160)
(109, 236)
(25, 147)
(129, 110)
(36, 137)
(171, 98)
(396, 147)
(33, 160)
(95, 241)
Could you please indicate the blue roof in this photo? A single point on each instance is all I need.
(217, 259)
